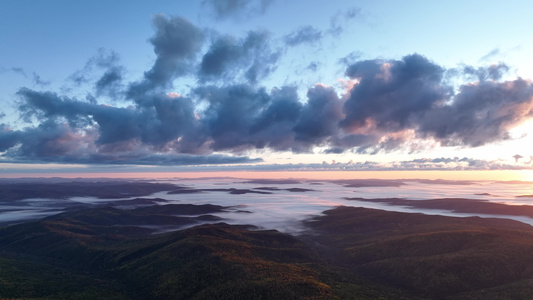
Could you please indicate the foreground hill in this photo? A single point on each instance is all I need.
(348, 253)
(430, 256)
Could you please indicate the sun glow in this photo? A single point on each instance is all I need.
(527, 175)
(522, 130)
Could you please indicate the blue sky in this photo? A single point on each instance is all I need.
(266, 84)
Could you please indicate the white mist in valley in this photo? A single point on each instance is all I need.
(284, 205)
(284, 210)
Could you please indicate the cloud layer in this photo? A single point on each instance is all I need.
(391, 104)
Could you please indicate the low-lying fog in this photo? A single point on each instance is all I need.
(278, 205)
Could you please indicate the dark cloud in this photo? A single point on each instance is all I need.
(496, 72)
(480, 113)
(304, 35)
(492, 72)
(335, 150)
(390, 93)
(361, 143)
(250, 58)
(319, 118)
(393, 98)
(274, 125)
(104, 59)
(110, 83)
(48, 142)
(49, 106)
(223, 52)
(262, 57)
(176, 43)
(388, 105)
(391, 103)
(73, 131)
(160, 120)
(240, 117)
(222, 9)
(8, 137)
(58, 143)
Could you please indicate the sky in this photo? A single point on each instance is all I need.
(265, 85)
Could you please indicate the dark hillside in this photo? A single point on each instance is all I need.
(104, 189)
(431, 256)
(348, 253)
(79, 249)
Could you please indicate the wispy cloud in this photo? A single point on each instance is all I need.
(341, 18)
(304, 35)
(39, 81)
(15, 70)
(223, 9)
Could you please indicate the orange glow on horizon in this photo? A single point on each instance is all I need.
(500, 175)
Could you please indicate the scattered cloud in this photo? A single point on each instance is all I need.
(103, 60)
(313, 66)
(304, 35)
(341, 18)
(425, 164)
(15, 70)
(492, 53)
(385, 105)
(223, 9)
(37, 80)
(492, 72)
(350, 58)
(110, 83)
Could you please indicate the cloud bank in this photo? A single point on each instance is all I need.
(392, 104)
